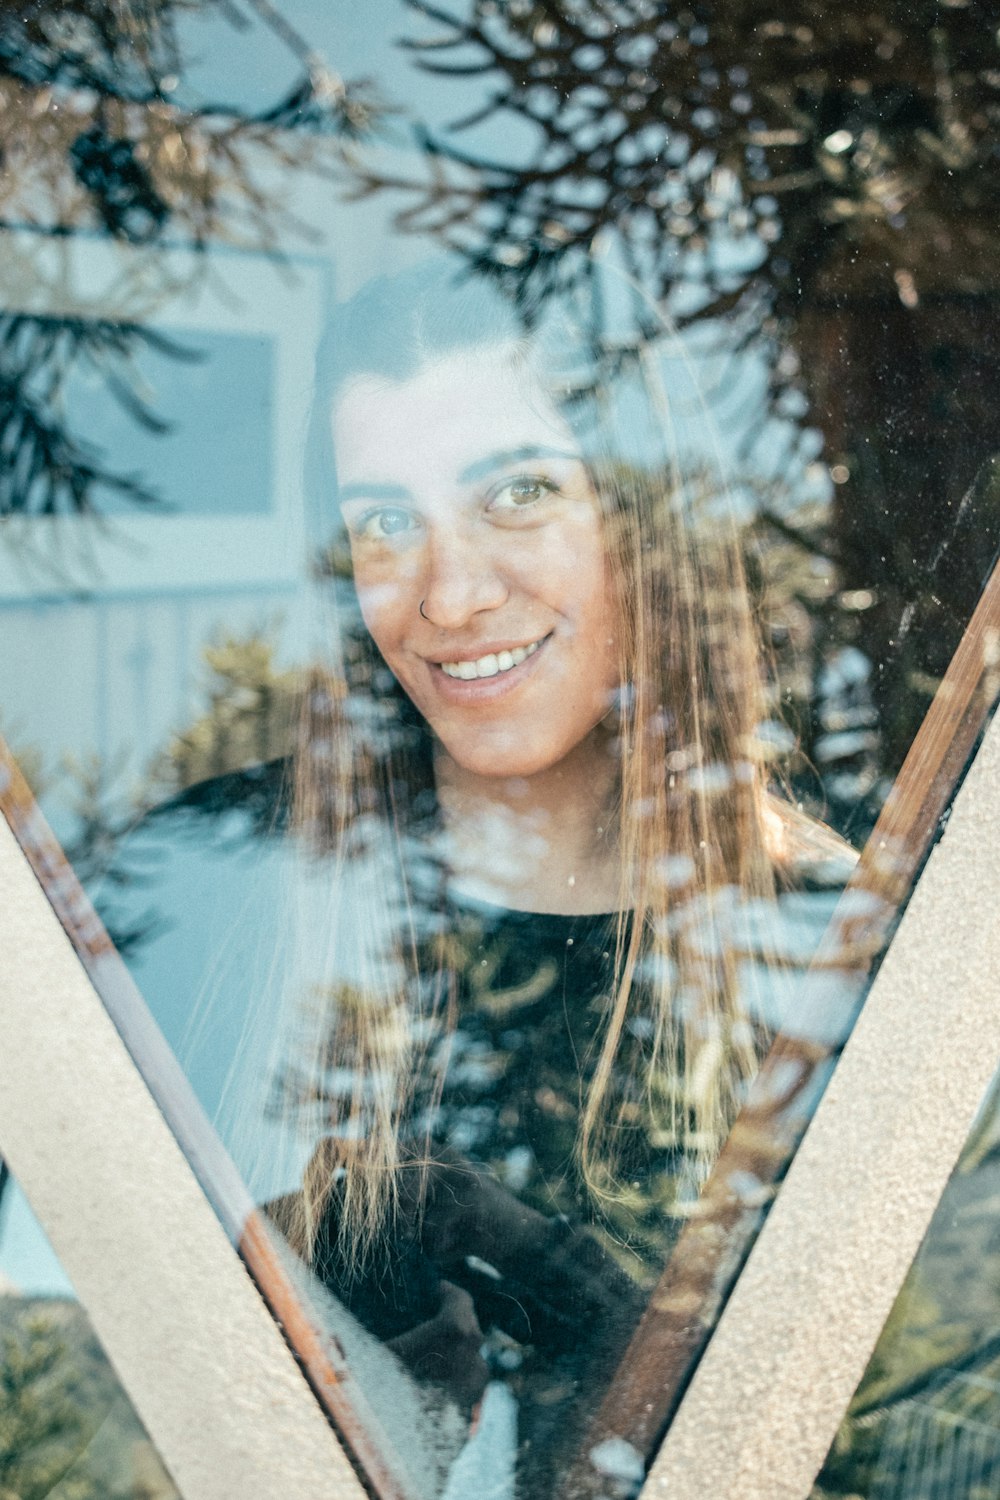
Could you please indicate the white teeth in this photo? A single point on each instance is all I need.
(489, 666)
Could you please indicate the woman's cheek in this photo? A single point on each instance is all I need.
(383, 597)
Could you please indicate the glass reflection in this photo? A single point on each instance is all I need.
(529, 910)
(474, 971)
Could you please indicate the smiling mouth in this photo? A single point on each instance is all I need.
(493, 665)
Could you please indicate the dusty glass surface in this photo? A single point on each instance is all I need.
(488, 499)
(67, 1429)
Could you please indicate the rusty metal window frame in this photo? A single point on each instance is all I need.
(792, 1344)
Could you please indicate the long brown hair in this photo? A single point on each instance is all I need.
(696, 834)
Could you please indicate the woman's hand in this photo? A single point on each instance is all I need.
(446, 1348)
(539, 1279)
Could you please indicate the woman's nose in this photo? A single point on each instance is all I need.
(462, 578)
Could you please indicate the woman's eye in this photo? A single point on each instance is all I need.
(520, 493)
(377, 525)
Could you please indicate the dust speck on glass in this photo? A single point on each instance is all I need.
(489, 495)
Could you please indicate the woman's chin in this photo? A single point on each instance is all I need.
(508, 755)
(511, 765)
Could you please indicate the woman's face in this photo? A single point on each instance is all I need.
(479, 558)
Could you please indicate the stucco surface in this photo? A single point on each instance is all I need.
(796, 1336)
(199, 1354)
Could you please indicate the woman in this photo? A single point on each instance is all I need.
(533, 766)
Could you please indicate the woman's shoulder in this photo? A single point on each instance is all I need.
(196, 899)
(198, 863)
(258, 797)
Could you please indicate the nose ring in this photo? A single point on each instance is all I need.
(423, 615)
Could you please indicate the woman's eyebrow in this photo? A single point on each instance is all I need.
(500, 459)
(504, 456)
(364, 491)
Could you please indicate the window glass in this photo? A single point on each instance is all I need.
(489, 499)
(67, 1428)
